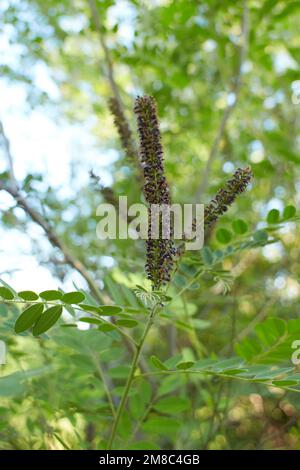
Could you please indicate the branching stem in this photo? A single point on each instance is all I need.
(130, 378)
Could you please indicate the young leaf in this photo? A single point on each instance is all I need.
(28, 318)
(106, 327)
(273, 216)
(48, 319)
(141, 287)
(92, 321)
(239, 226)
(272, 343)
(7, 286)
(223, 236)
(28, 295)
(89, 308)
(260, 236)
(173, 361)
(127, 323)
(284, 383)
(110, 309)
(162, 425)
(207, 255)
(6, 293)
(289, 212)
(119, 372)
(157, 363)
(51, 295)
(73, 297)
(185, 365)
(172, 405)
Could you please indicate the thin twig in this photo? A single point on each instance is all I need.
(111, 74)
(142, 419)
(52, 236)
(230, 107)
(61, 441)
(109, 64)
(13, 190)
(105, 384)
(217, 374)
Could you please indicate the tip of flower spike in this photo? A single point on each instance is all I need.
(227, 195)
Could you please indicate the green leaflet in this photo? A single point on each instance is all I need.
(15, 384)
(28, 318)
(47, 320)
(273, 216)
(157, 363)
(127, 323)
(185, 365)
(73, 298)
(289, 212)
(271, 342)
(28, 295)
(110, 309)
(239, 226)
(90, 320)
(172, 405)
(51, 295)
(6, 293)
(223, 236)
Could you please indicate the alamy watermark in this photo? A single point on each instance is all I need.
(159, 221)
(2, 353)
(296, 354)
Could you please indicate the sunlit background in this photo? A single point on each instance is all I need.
(42, 142)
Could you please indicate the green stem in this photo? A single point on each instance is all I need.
(216, 374)
(141, 420)
(61, 441)
(105, 385)
(191, 282)
(130, 378)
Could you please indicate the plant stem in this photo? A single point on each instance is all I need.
(130, 378)
(142, 419)
(61, 441)
(104, 382)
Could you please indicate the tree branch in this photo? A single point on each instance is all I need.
(230, 107)
(109, 64)
(12, 188)
(116, 104)
(51, 235)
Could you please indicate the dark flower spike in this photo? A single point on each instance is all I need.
(123, 129)
(226, 196)
(222, 201)
(160, 252)
(156, 188)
